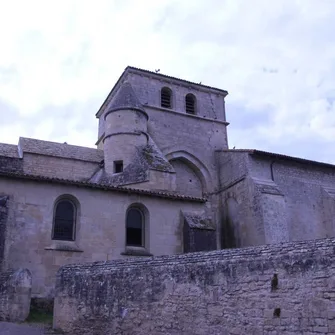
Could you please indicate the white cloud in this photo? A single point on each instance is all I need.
(276, 58)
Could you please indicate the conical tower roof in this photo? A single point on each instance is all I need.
(125, 98)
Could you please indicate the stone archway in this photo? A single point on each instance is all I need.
(192, 168)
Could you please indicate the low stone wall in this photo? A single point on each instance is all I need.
(15, 293)
(282, 289)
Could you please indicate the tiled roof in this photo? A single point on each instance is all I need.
(276, 155)
(154, 158)
(198, 221)
(125, 98)
(157, 194)
(9, 150)
(55, 149)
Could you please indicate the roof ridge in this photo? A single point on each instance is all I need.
(57, 149)
(175, 78)
(277, 155)
(53, 142)
(9, 150)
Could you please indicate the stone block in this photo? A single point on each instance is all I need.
(15, 295)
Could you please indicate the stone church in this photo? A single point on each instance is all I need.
(161, 181)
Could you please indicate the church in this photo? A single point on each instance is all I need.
(161, 181)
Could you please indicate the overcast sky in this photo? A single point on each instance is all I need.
(59, 60)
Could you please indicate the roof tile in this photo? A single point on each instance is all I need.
(159, 194)
(125, 98)
(61, 150)
(9, 150)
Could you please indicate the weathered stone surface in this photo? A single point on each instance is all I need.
(100, 228)
(62, 150)
(268, 200)
(15, 294)
(125, 98)
(198, 233)
(8, 328)
(9, 150)
(221, 292)
(3, 224)
(147, 158)
(11, 164)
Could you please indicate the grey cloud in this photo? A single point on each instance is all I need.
(9, 114)
(77, 62)
(313, 148)
(75, 116)
(241, 117)
(66, 119)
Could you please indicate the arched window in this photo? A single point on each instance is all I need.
(64, 225)
(135, 227)
(190, 103)
(166, 97)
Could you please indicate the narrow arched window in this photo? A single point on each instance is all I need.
(166, 97)
(190, 103)
(64, 220)
(135, 227)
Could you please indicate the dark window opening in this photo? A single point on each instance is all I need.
(190, 103)
(166, 95)
(276, 312)
(118, 166)
(135, 229)
(274, 282)
(64, 221)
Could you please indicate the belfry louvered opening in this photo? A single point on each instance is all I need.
(166, 97)
(190, 103)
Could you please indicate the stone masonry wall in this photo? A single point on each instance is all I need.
(3, 223)
(64, 168)
(241, 213)
(208, 104)
(11, 164)
(279, 289)
(15, 294)
(187, 182)
(148, 90)
(100, 228)
(233, 166)
(242, 224)
(175, 131)
(309, 194)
